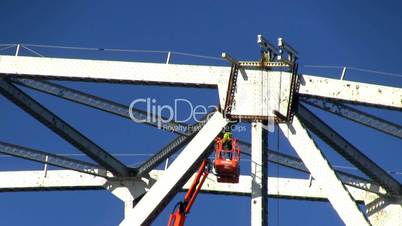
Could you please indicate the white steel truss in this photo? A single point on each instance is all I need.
(258, 93)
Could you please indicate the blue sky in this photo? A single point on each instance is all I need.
(363, 34)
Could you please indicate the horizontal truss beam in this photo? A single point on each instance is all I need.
(185, 75)
(348, 151)
(51, 159)
(53, 180)
(112, 71)
(355, 115)
(355, 92)
(59, 180)
(64, 130)
(286, 188)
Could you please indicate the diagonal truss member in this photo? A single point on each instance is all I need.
(321, 170)
(171, 148)
(355, 115)
(348, 151)
(63, 129)
(346, 178)
(51, 159)
(176, 175)
(101, 104)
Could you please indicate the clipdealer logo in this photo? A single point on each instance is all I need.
(178, 116)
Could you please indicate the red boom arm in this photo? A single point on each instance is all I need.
(179, 214)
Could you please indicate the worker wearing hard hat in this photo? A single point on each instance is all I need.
(227, 142)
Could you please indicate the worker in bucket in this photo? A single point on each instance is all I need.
(227, 142)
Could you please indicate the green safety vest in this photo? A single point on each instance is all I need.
(227, 136)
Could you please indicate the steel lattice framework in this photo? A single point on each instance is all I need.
(253, 91)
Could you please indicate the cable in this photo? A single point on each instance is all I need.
(7, 47)
(32, 51)
(95, 49)
(117, 50)
(376, 72)
(323, 66)
(357, 69)
(8, 44)
(199, 56)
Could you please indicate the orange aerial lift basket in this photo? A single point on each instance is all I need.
(227, 161)
(227, 170)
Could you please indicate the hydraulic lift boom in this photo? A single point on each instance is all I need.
(180, 211)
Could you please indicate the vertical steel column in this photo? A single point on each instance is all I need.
(17, 51)
(259, 180)
(168, 57)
